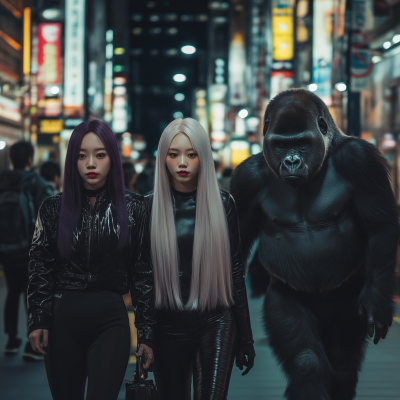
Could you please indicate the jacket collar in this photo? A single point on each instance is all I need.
(102, 195)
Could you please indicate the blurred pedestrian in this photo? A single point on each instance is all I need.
(88, 250)
(225, 180)
(145, 181)
(130, 177)
(51, 172)
(21, 193)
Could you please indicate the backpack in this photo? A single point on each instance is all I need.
(17, 220)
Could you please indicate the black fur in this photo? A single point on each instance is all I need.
(328, 232)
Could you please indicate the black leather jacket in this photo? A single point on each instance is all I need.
(95, 263)
(185, 213)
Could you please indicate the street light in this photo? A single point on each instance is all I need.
(396, 39)
(179, 78)
(51, 13)
(55, 90)
(2, 144)
(243, 113)
(179, 97)
(376, 59)
(188, 49)
(341, 87)
(312, 87)
(178, 114)
(386, 45)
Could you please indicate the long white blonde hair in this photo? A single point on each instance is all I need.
(211, 283)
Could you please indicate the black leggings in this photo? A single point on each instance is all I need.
(194, 344)
(17, 283)
(89, 337)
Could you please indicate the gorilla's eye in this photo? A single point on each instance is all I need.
(266, 123)
(322, 125)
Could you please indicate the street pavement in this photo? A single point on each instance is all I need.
(379, 379)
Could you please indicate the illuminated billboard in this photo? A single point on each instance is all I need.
(74, 67)
(49, 54)
(322, 49)
(282, 33)
(10, 110)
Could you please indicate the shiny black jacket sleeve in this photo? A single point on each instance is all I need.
(141, 280)
(41, 268)
(240, 307)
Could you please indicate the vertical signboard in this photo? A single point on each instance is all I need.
(363, 15)
(322, 49)
(282, 32)
(74, 68)
(237, 55)
(49, 54)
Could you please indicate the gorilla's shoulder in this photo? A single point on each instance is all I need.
(355, 157)
(249, 177)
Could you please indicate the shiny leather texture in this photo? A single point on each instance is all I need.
(194, 345)
(95, 262)
(185, 215)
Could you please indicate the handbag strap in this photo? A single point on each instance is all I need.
(141, 373)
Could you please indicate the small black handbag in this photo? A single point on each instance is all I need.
(139, 388)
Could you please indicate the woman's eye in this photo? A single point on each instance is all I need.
(192, 155)
(173, 155)
(101, 155)
(81, 156)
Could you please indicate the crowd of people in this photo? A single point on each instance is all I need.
(22, 191)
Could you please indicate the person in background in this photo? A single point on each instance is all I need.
(51, 172)
(145, 181)
(21, 194)
(225, 179)
(130, 177)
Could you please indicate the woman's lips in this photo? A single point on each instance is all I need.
(183, 173)
(92, 175)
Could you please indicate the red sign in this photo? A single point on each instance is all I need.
(49, 54)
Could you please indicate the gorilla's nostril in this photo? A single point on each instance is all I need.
(292, 162)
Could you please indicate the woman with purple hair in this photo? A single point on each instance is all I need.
(89, 248)
(200, 295)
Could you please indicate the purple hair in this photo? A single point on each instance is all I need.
(71, 201)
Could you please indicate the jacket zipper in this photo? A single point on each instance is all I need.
(89, 244)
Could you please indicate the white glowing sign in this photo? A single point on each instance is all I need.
(74, 58)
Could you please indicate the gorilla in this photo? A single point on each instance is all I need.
(322, 207)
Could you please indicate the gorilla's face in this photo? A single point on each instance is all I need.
(296, 138)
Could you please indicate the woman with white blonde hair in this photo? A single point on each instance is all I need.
(202, 313)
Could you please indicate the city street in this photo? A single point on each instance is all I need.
(379, 379)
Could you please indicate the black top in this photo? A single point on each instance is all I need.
(184, 205)
(185, 218)
(93, 193)
(95, 262)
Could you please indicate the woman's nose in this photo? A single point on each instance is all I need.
(91, 160)
(182, 161)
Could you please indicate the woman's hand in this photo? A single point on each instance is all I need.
(34, 338)
(245, 349)
(147, 355)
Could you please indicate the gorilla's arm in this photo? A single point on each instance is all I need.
(375, 211)
(247, 181)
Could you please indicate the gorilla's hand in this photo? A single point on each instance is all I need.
(380, 328)
(245, 349)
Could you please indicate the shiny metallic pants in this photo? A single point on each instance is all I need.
(198, 345)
